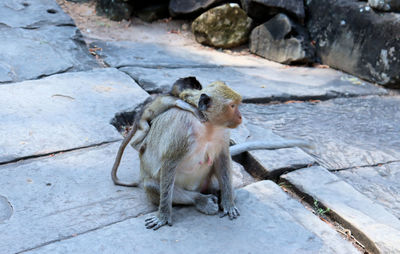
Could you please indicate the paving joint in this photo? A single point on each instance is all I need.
(57, 152)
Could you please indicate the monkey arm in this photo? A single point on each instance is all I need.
(267, 145)
(222, 168)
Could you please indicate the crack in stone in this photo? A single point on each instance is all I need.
(364, 166)
(81, 233)
(57, 152)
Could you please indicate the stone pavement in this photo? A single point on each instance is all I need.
(58, 144)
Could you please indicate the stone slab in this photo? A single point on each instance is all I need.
(35, 53)
(346, 132)
(270, 220)
(268, 164)
(63, 111)
(33, 14)
(371, 223)
(379, 183)
(261, 84)
(65, 195)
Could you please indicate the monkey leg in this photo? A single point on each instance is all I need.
(207, 204)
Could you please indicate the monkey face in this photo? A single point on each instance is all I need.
(234, 115)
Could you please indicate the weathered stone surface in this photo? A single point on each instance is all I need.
(262, 10)
(50, 50)
(124, 53)
(66, 195)
(260, 84)
(353, 38)
(270, 164)
(282, 40)
(270, 220)
(6, 209)
(385, 5)
(190, 8)
(372, 224)
(32, 14)
(379, 183)
(225, 26)
(115, 10)
(240, 177)
(346, 132)
(63, 111)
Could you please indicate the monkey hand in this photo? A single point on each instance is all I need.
(230, 210)
(155, 222)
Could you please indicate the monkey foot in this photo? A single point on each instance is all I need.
(232, 212)
(155, 223)
(207, 204)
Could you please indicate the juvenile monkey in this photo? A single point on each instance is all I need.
(151, 109)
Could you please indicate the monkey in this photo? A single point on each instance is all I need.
(151, 109)
(180, 155)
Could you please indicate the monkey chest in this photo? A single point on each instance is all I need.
(195, 169)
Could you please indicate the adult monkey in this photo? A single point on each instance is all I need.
(181, 154)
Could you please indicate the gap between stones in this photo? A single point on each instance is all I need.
(78, 234)
(364, 166)
(57, 152)
(343, 227)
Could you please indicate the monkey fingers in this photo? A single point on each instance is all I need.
(155, 223)
(232, 212)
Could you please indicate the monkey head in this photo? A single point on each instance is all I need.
(220, 105)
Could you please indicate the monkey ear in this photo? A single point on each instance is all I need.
(204, 102)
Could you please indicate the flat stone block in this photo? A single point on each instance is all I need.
(63, 111)
(65, 195)
(49, 50)
(379, 183)
(33, 14)
(346, 132)
(371, 223)
(270, 221)
(259, 84)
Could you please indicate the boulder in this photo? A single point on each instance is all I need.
(190, 8)
(385, 5)
(263, 10)
(115, 10)
(282, 40)
(152, 12)
(353, 38)
(225, 26)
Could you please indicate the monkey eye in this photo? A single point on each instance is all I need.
(233, 105)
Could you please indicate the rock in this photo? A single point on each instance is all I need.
(52, 50)
(346, 132)
(79, 1)
(6, 209)
(115, 10)
(385, 5)
(282, 40)
(225, 26)
(379, 183)
(33, 14)
(261, 84)
(369, 222)
(263, 10)
(240, 177)
(152, 12)
(63, 112)
(266, 212)
(190, 8)
(353, 38)
(68, 194)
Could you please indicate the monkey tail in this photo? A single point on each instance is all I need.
(121, 149)
(267, 145)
